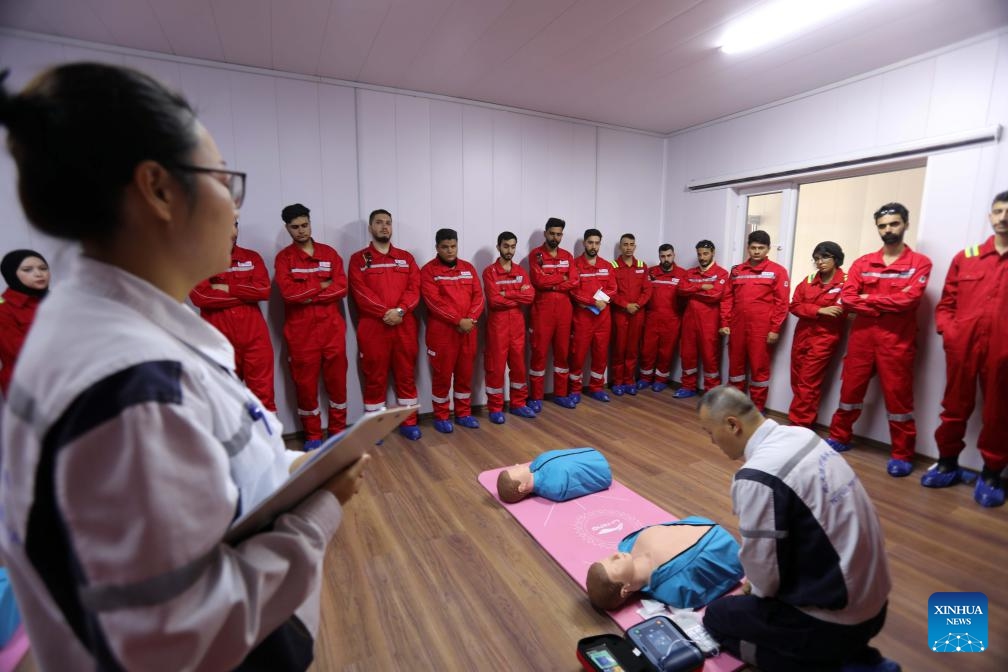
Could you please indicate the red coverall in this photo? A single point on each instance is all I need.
(379, 282)
(754, 305)
(632, 286)
(451, 293)
(552, 278)
(884, 338)
(590, 330)
(700, 325)
(663, 323)
(816, 338)
(236, 314)
(17, 312)
(315, 332)
(506, 292)
(970, 317)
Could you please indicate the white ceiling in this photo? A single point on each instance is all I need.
(646, 64)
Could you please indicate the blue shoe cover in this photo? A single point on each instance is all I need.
(658, 387)
(932, 478)
(841, 447)
(576, 398)
(641, 384)
(684, 393)
(467, 421)
(987, 495)
(618, 390)
(599, 395)
(497, 418)
(899, 468)
(631, 390)
(411, 432)
(312, 444)
(523, 412)
(535, 405)
(444, 426)
(566, 402)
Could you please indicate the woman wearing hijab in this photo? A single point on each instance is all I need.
(27, 275)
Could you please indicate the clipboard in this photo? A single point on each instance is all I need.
(333, 456)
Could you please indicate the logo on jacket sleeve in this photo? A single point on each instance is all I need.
(957, 622)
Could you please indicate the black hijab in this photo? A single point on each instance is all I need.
(9, 266)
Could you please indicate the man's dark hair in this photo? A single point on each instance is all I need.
(828, 248)
(705, 244)
(893, 209)
(445, 234)
(379, 211)
(591, 232)
(506, 235)
(1000, 198)
(665, 247)
(555, 222)
(759, 237)
(292, 212)
(628, 235)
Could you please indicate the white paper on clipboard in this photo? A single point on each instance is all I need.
(336, 454)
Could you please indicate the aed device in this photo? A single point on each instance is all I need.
(654, 645)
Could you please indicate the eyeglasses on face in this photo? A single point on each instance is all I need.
(235, 180)
(823, 258)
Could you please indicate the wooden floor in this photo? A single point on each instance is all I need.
(429, 572)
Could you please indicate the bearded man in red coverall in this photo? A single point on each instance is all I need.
(883, 290)
(592, 325)
(553, 276)
(664, 320)
(385, 285)
(633, 291)
(971, 316)
(508, 288)
(230, 302)
(754, 308)
(704, 288)
(816, 304)
(313, 283)
(451, 290)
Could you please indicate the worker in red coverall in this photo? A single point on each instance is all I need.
(27, 275)
(230, 302)
(664, 319)
(553, 276)
(883, 290)
(754, 308)
(971, 318)
(313, 283)
(508, 288)
(633, 291)
(703, 289)
(385, 285)
(816, 304)
(451, 290)
(592, 324)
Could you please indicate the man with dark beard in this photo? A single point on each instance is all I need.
(664, 319)
(508, 288)
(883, 289)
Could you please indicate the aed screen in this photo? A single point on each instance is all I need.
(603, 659)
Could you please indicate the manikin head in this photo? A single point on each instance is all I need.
(613, 579)
(515, 483)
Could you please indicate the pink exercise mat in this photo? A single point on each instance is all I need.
(580, 531)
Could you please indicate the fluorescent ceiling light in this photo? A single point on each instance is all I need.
(780, 19)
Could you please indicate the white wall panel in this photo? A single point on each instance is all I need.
(902, 105)
(376, 147)
(961, 90)
(629, 191)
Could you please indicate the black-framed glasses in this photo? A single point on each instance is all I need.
(824, 257)
(235, 180)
